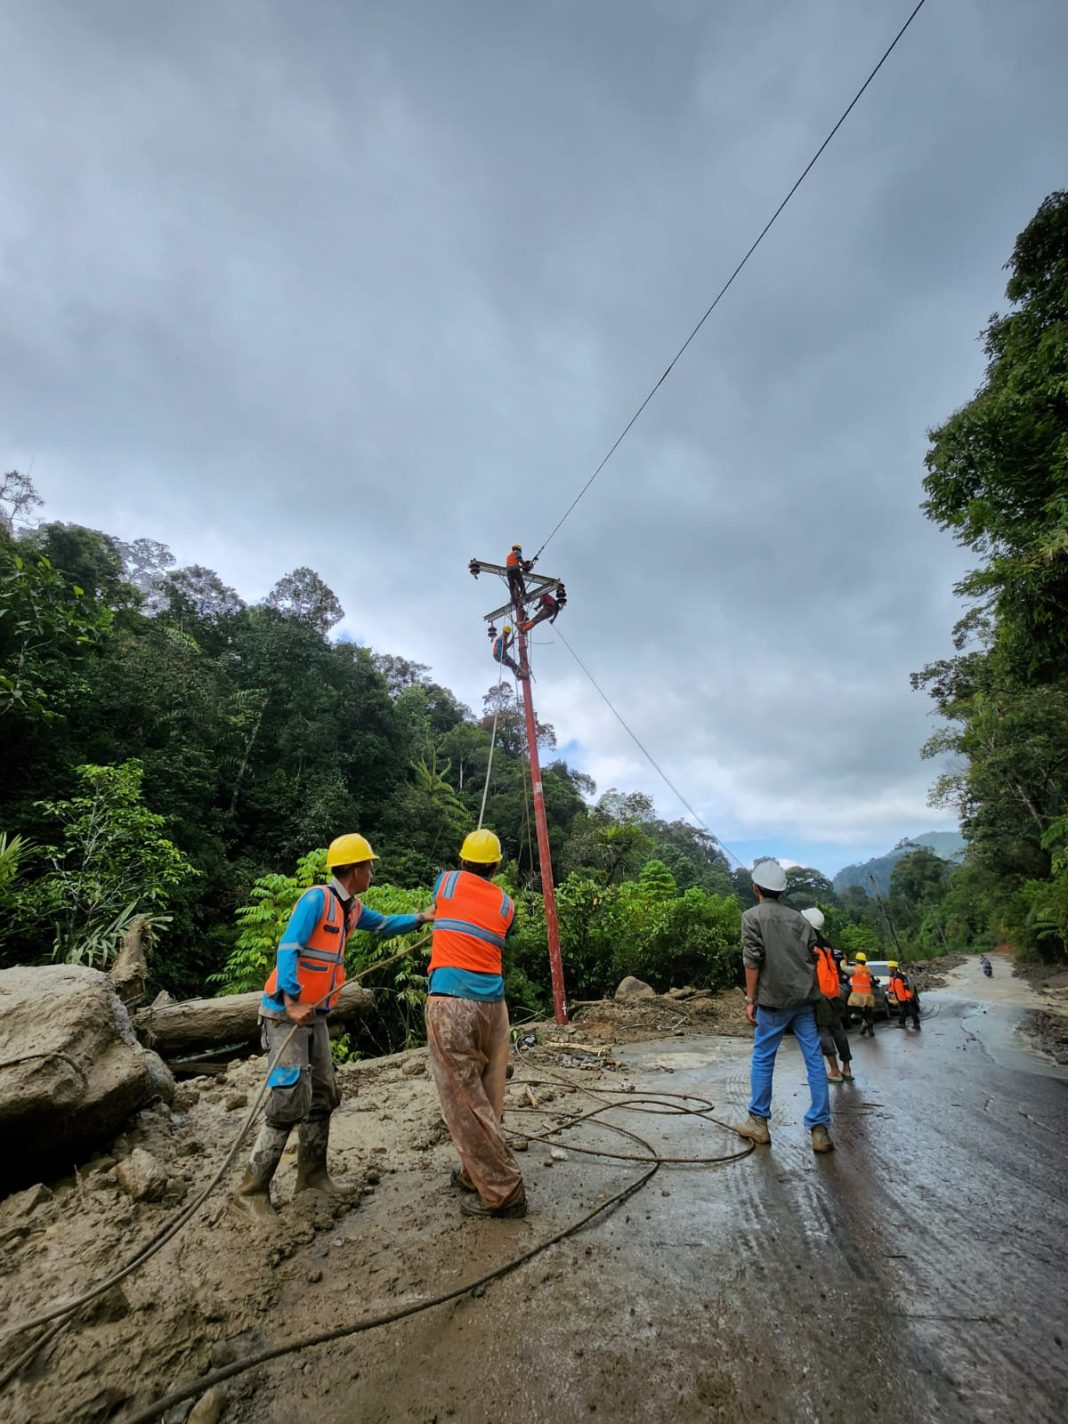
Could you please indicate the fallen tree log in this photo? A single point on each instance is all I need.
(186, 1025)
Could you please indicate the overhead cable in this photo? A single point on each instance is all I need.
(646, 753)
(730, 280)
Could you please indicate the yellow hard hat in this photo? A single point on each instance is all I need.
(518, 548)
(860, 957)
(891, 964)
(507, 628)
(349, 850)
(481, 848)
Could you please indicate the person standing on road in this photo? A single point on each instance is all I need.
(908, 1004)
(862, 993)
(302, 989)
(781, 992)
(834, 1041)
(467, 1027)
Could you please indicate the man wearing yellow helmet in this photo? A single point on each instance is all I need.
(501, 642)
(908, 1005)
(467, 1027)
(517, 566)
(302, 989)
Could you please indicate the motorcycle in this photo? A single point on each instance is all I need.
(987, 967)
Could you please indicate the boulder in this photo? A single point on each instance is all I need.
(142, 1176)
(631, 988)
(71, 1069)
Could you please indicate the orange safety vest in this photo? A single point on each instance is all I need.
(321, 962)
(471, 919)
(902, 992)
(860, 979)
(513, 560)
(827, 973)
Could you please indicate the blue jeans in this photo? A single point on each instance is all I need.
(771, 1025)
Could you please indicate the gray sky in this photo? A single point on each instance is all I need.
(374, 286)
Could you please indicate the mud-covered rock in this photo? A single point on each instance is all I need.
(142, 1176)
(631, 988)
(73, 1069)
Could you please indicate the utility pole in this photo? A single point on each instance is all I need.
(516, 606)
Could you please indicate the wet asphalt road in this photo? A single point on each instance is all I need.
(917, 1273)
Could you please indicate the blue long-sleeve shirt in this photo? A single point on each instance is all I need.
(297, 932)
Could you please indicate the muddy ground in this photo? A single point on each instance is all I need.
(918, 1272)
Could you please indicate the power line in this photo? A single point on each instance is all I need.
(647, 754)
(730, 280)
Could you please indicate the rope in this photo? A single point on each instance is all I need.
(730, 280)
(493, 743)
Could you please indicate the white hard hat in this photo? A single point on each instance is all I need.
(815, 917)
(769, 875)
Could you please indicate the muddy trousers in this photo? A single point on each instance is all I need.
(304, 1091)
(303, 1083)
(834, 1042)
(467, 1042)
(909, 1009)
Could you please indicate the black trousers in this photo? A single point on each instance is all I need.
(909, 1008)
(833, 1039)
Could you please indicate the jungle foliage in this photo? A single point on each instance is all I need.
(998, 482)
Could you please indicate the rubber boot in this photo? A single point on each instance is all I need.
(312, 1175)
(253, 1196)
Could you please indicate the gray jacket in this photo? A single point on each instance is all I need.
(780, 943)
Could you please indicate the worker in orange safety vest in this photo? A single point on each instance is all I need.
(908, 1003)
(862, 993)
(467, 1027)
(517, 566)
(301, 990)
(834, 1041)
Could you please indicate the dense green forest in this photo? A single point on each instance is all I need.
(998, 481)
(172, 751)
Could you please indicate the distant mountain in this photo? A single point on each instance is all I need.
(947, 844)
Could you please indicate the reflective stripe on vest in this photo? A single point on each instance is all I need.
(902, 992)
(860, 978)
(471, 920)
(321, 961)
(827, 972)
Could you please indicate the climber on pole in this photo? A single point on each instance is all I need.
(501, 643)
(517, 566)
(549, 605)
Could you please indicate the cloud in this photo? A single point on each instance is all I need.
(374, 288)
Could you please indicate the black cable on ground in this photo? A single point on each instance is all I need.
(65, 1309)
(653, 1159)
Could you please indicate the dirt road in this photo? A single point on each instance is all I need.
(916, 1273)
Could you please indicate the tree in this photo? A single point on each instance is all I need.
(114, 862)
(998, 480)
(998, 468)
(198, 594)
(17, 498)
(145, 563)
(304, 596)
(805, 887)
(49, 627)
